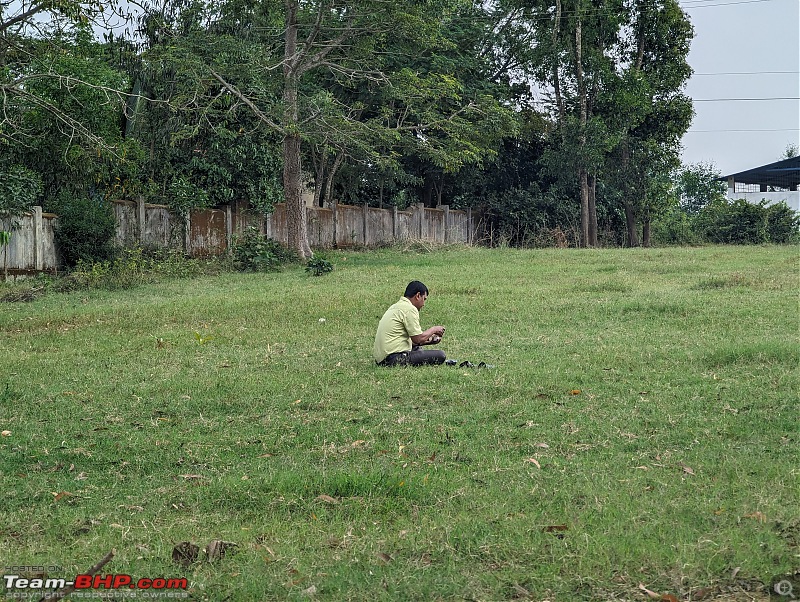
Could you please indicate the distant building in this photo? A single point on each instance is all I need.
(774, 183)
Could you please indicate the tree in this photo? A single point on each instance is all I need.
(320, 37)
(697, 186)
(574, 60)
(656, 51)
(203, 145)
(320, 74)
(466, 111)
(27, 32)
(612, 72)
(791, 151)
(413, 111)
(76, 146)
(20, 188)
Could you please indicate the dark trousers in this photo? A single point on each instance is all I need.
(416, 357)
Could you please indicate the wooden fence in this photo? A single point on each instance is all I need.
(350, 225)
(210, 231)
(32, 248)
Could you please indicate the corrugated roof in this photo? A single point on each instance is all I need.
(785, 174)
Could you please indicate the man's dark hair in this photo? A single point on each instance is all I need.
(414, 287)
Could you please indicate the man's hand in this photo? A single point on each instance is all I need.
(436, 337)
(430, 337)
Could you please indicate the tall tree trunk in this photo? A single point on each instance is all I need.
(630, 212)
(292, 188)
(630, 222)
(337, 162)
(556, 76)
(292, 170)
(427, 191)
(584, 180)
(582, 171)
(646, 227)
(592, 210)
(319, 176)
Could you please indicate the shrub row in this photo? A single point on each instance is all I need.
(729, 222)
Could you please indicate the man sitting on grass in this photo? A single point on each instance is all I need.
(399, 338)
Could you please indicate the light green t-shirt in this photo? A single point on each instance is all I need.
(397, 326)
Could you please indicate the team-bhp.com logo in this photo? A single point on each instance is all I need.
(93, 583)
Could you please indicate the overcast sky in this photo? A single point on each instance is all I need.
(743, 49)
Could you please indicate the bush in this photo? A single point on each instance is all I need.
(253, 252)
(529, 217)
(20, 188)
(85, 230)
(740, 222)
(675, 227)
(783, 224)
(133, 267)
(318, 266)
(185, 196)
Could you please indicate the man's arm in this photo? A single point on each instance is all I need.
(427, 337)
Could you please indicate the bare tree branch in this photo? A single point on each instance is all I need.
(317, 59)
(253, 107)
(68, 125)
(315, 29)
(73, 126)
(36, 8)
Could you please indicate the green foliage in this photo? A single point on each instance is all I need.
(254, 252)
(184, 195)
(197, 132)
(675, 227)
(528, 217)
(67, 116)
(318, 265)
(740, 222)
(20, 188)
(396, 103)
(729, 222)
(697, 185)
(783, 224)
(85, 229)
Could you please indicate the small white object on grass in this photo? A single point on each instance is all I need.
(322, 320)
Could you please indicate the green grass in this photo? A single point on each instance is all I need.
(222, 408)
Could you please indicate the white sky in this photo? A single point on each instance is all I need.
(753, 39)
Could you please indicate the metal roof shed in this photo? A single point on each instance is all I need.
(776, 182)
(781, 174)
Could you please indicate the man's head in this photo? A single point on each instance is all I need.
(417, 293)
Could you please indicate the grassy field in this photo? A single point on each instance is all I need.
(640, 428)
